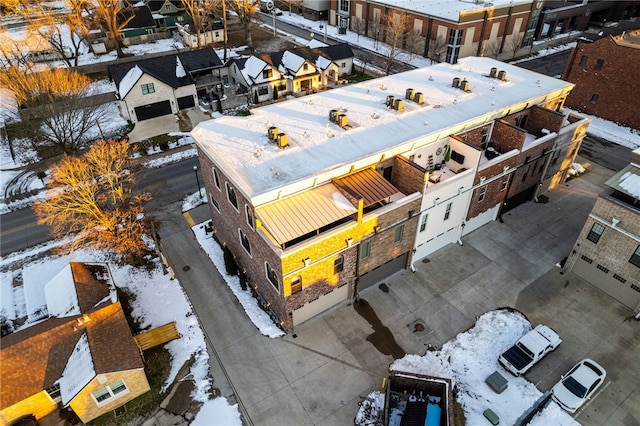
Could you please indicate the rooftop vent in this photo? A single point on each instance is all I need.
(418, 98)
(342, 120)
(333, 115)
(272, 133)
(493, 73)
(409, 94)
(502, 75)
(390, 102)
(456, 82)
(399, 105)
(464, 85)
(282, 140)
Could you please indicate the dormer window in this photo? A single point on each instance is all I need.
(267, 73)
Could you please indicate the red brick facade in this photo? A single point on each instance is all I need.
(605, 73)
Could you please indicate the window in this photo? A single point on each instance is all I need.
(263, 90)
(602, 268)
(249, 215)
(619, 278)
(305, 67)
(453, 46)
(272, 276)
(216, 179)
(521, 121)
(599, 65)
(483, 192)
(447, 212)
(245, 241)
(586, 259)
(594, 99)
(635, 257)
(231, 196)
(148, 88)
(114, 390)
(398, 234)
(343, 5)
(214, 202)
(583, 61)
(365, 250)
(423, 222)
(595, 233)
(338, 264)
(296, 284)
(485, 136)
(505, 183)
(343, 65)
(267, 73)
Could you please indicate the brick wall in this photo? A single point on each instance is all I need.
(542, 118)
(407, 176)
(495, 193)
(506, 136)
(612, 84)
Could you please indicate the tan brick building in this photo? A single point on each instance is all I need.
(322, 196)
(607, 251)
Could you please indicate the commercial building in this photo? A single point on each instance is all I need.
(322, 196)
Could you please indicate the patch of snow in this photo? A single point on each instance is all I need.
(630, 182)
(180, 72)
(61, 296)
(129, 80)
(217, 412)
(78, 372)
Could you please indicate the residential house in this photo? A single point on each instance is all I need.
(81, 357)
(444, 30)
(300, 70)
(164, 85)
(168, 13)
(323, 196)
(141, 28)
(607, 251)
(605, 68)
(213, 33)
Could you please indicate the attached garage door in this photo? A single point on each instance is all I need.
(321, 304)
(186, 102)
(590, 272)
(381, 272)
(158, 109)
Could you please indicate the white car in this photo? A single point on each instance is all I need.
(578, 385)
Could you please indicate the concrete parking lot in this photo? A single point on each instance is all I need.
(319, 374)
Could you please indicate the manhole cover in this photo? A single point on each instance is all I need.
(418, 327)
(384, 287)
(186, 267)
(425, 260)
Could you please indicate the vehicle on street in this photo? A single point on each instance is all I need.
(578, 385)
(531, 347)
(276, 12)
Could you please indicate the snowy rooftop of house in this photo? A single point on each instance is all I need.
(78, 371)
(449, 9)
(320, 150)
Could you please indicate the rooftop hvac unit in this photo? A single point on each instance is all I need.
(456, 82)
(409, 94)
(399, 105)
(390, 101)
(502, 75)
(272, 133)
(333, 115)
(464, 85)
(282, 140)
(342, 120)
(418, 98)
(493, 73)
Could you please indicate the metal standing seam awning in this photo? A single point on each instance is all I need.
(306, 212)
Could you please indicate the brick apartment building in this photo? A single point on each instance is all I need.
(444, 30)
(607, 251)
(605, 70)
(322, 196)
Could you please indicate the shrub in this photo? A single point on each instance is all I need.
(229, 262)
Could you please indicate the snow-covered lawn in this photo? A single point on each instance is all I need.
(470, 358)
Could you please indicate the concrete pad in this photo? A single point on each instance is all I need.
(256, 374)
(437, 275)
(346, 413)
(468, 300)
(280, 408)
(597, 410)
(473, 259)
(482, 240)
(497, 284)
(312, 348)
(525, 269)
(444, 318)
(324, 390)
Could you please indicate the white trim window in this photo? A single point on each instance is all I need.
(108, 393)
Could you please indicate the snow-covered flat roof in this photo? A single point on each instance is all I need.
(320, 150)
(449, 9)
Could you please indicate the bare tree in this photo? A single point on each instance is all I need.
(296, 3)
(54, 106)
(113, 16)
(365, 59)
(13, 53)
(436, 48)
(411, 41)
(515, 43)
(65, 33)
(492, 48)
(396, 28)
(200, 12)
(375, 30)
(358, 25)
(94, 205)
(245, 11)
